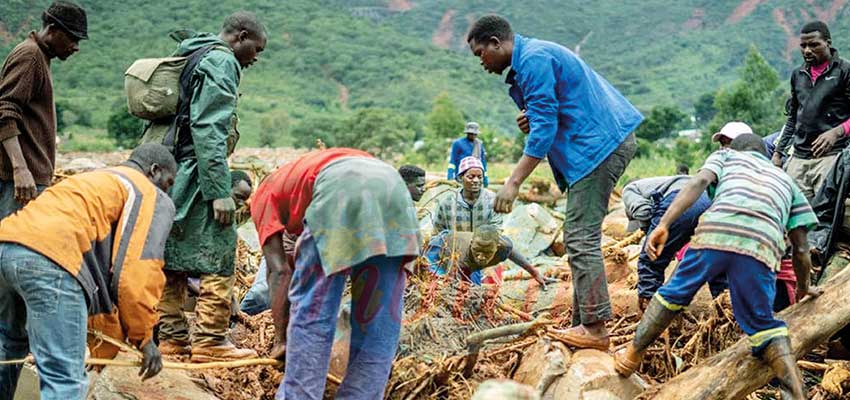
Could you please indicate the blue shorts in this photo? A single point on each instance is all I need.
(752, 286)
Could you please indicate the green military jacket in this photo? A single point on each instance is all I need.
(198, 244)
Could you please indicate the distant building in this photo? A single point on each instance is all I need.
(693, 134)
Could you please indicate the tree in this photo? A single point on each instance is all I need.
(123, 127)
(445, 120)
(380, 131)
(662, 121)
(704, 109)
(272, 128)
(324, 126)
(756, 98)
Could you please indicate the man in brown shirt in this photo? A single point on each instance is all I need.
(27, 111)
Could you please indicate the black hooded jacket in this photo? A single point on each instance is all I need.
(817, 107)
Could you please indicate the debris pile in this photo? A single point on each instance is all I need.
(456, 336)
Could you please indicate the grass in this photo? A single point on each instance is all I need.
(641, 167)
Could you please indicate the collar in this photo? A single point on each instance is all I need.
(461, 199)
(519, 43)
(511, 78)
(41, 45)
(833, 58)
(757, 155)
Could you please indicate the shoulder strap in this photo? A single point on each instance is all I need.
(181, 120)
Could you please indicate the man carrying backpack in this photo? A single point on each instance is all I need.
(203, 240)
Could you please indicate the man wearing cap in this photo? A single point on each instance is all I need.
(27, 111)
(646, 201)
(469, 146)
(471, 206)
(729, 132)
(819, 111)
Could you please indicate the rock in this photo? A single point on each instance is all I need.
(591, 376)
(79, 165)
(122, 383)
(504, 389)
(27, 384)
(532, 228)
(585, 374)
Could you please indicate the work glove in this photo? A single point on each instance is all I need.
(151, 361)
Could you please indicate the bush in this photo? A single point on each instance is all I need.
(124, 128)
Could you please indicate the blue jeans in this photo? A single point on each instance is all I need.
(651, 273)
(752, 286)
(42, 311)
(8, 204)
(257, 298)
(376, 307)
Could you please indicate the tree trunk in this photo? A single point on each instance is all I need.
(735, 373)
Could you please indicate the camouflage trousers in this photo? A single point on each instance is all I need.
(212, 309)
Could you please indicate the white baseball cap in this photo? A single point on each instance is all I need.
(732, 130)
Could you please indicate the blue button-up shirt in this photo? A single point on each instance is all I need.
(577, 118)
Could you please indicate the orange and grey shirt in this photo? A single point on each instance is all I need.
(107, 228)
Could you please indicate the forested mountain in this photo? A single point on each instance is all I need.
(328, 60)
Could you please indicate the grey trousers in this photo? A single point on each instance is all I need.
(587, 205)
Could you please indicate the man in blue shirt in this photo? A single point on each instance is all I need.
(584, 126)
(469, 146)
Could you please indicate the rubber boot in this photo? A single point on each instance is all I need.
(778, 355)
(655, 320)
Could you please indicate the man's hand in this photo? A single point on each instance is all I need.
(505, 198)
(804, 289)
(545, 281)
(151, 361)
(522, 122)
(25, 189)
(278, 351)
(823, 144)
(656, 241)
(777, 159)
(223, 210)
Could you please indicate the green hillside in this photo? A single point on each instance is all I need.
(327, 59)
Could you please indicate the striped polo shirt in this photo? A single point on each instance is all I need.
(754, 205)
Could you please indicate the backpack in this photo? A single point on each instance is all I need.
(159, 90)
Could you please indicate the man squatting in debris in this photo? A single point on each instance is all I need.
(457, 223)
(96, 253)
(583, 125)
(354, 217)
(742, 236)
(203, 241)
(645, 202)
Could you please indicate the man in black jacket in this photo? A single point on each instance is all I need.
(819, 111)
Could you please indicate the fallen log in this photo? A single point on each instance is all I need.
(734, 373)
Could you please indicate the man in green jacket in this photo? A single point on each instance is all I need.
(203, 240)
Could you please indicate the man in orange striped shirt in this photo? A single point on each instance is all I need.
(87, 250)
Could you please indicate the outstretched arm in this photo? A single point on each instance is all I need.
(279, 277)
(684, 200)
(802, 261)
(523, 262)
